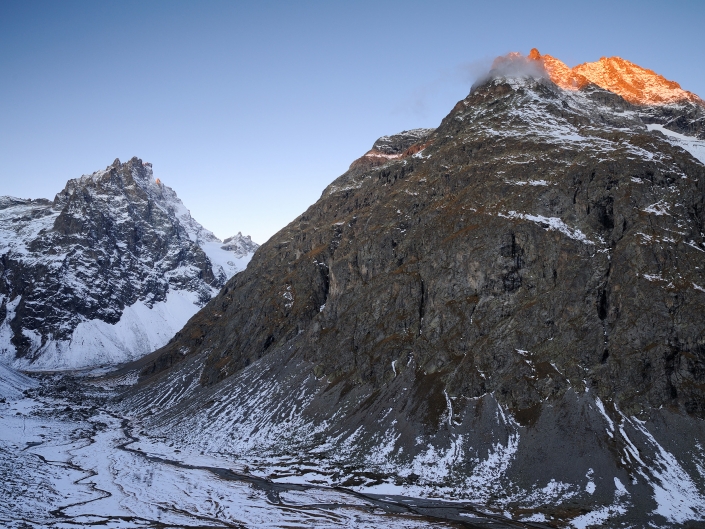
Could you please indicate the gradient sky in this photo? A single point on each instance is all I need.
(249, 109)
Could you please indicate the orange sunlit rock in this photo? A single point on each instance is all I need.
(558, 71)
(634, 83)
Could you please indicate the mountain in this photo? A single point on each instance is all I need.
(106, 272)
(505, 310)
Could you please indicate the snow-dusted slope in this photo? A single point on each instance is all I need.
(105, 273)
(694, 146)
(232, 254)
(12, 383)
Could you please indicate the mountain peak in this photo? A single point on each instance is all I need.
(462, 294)
(558, 71)
(241, 245)
(107, 271)
(635, 84)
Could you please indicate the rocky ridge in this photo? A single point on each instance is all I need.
(507, 310)
(660, 100)
(635, 84)
(107, 271)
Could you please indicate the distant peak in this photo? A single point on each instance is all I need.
(241, 245)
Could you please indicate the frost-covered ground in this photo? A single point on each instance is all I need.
(68, 462)
(69, 459)
(590, 465)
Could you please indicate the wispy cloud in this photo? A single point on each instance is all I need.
(467, 74)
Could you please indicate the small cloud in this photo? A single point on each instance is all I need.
(417, 103)
(471, 74)
(514, 65)
(476, 70)
(464, 74)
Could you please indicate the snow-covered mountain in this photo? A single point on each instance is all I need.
(106, 272)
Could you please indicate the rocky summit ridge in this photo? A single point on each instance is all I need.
(657, 99)
(506, 309)
(106, 272)
(241, 245)
(635, 84)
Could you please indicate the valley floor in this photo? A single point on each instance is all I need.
(67, 461)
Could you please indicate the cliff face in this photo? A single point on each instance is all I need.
(509, 308)
(106, 272)
(515, 218)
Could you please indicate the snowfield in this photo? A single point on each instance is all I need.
(141, 330)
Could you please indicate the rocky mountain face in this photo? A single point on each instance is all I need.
(106, 272)
(507, 309)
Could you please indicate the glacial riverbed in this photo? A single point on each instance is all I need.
(68, 461)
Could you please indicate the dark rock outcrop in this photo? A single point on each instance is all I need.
(497, 224)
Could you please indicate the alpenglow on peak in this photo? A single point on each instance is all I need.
(639, 86)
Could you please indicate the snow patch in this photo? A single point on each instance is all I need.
(7, 349)
(551, 224)
(659, 208)
(13, 383)
(677, 496)
(223, 260)
(694, 146)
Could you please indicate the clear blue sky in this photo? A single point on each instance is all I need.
(249, 109)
